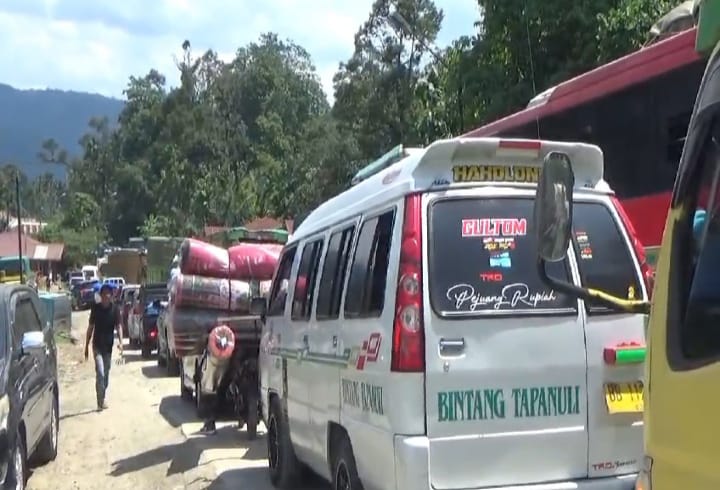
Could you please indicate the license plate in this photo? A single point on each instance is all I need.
(624, 397)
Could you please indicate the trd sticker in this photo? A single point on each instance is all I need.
(370, 351)
(491, 276)
(501, 259)
(492, 227)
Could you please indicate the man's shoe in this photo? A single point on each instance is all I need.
(208, 428)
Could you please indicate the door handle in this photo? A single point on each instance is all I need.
(334, 341)
(451, 346)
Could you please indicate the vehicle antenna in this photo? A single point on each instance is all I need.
(532, 65)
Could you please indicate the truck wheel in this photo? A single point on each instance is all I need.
(161, 360)
(172, 364)
(252, 419)
(185, 392)
(283, 465)
(145, 350)
(345, 475)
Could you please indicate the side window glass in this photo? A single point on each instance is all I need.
(333, 274)
(304, 289)
(365, 295)
(35, 322)
(25, 319)
(604, 256)
(18, 321)
(700, 335)
(278, 292)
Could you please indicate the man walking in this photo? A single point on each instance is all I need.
(104, 319)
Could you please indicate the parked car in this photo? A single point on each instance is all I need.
(83, 294)
(117, 283)
(149, 330)
(29, 417)
(165, 357)
(142, 326)
(127, 298)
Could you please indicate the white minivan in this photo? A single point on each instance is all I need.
(409, 342)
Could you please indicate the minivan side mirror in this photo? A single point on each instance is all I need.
(33, 342)
(553, 207)
(552, 214)
(258, 306)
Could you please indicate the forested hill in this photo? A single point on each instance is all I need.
(29, 117)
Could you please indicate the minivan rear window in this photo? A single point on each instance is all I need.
(482, 259)
(604, 255)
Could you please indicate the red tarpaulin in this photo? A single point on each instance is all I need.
(254, 261)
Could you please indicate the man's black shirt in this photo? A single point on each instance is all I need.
(104, 318)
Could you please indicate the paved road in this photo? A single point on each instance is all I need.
(147, 438)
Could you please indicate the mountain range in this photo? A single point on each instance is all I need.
(29, 117)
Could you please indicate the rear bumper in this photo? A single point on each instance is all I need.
(411, 472)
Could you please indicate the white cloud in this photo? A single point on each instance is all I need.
(95, 45)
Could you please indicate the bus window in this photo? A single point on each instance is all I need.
(10, 268)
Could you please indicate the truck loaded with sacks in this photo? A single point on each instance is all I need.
(211, 338)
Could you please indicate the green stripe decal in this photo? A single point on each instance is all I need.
(313, 357)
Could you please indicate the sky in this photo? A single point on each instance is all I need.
(96, 45)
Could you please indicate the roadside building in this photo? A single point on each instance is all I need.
(44, 257)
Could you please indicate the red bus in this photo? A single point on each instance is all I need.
(637, 109)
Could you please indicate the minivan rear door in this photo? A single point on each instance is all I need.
(615, 340)
(506, 389)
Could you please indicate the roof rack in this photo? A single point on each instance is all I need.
(394, 155)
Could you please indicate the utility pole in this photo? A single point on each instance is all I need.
(19, 227)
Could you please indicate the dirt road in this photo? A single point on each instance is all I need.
(145, 440)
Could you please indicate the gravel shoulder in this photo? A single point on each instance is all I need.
(147, 439)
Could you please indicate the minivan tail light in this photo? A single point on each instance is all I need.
(408, 342)
(645, 268)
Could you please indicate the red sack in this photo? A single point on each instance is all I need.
(256, 261)
(203, 259)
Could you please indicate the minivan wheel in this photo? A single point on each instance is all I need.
(345, 475)
(17, 470)
(284, 468)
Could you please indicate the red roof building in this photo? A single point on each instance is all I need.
(30, 247)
